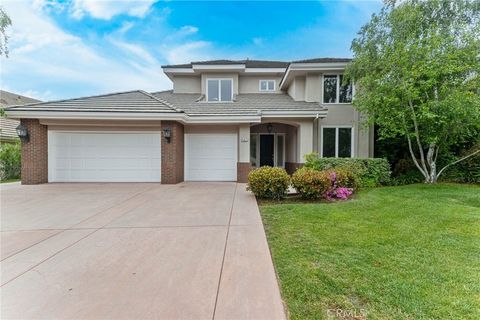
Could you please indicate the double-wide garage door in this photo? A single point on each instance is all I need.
(211, 157)
(104, 156)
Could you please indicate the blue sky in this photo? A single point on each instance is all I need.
(64, 49)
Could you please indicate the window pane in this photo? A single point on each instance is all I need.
(345, 142)
(328, 142)
(263, 85)
(329, 89)
(212, 90)
(345, 92)
(226, 90)
(280, 160)
(253, 149)
(271, 85)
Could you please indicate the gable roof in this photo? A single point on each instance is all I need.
(130, 101)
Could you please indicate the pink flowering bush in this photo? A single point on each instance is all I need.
(327, 184)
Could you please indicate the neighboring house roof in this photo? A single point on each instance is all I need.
(130, 101)
(8, 126)
(248, 63)
(244, 104)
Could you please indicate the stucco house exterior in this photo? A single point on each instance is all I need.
(222, 118)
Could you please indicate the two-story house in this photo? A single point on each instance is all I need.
(221, 119)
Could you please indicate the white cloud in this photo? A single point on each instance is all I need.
(106, 9)
(52, 63)
(189, 29)
(190, 51)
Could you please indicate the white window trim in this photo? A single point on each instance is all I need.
(267, 90)
(275, 160)
(352, 146)
(337, 98)
(219, 90)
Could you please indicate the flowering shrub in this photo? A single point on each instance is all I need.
(337, 189)
(311, 184)
(326, 184)
(269, 183)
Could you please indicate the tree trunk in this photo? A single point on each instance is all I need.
(431, 176)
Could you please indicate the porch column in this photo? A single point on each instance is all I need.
(304, 140)
(243, 164)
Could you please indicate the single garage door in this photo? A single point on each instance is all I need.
(211, 157)
(104, 156)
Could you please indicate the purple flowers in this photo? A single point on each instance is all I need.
(336, 192)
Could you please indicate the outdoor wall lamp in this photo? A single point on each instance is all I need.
(269, 128)
(22, 133)
(167, 134)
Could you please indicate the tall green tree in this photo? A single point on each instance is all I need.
(5, 22)
(417, 72)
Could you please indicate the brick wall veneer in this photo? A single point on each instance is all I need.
(291, 167)
(173, 153)
(243, 169)
(35, 153)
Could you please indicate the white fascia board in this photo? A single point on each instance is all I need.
(265, 70)
(218, 67)
(294, 114)
(178, 70)
(130, 116)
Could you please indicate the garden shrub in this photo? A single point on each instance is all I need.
(311, 184)
(328, 184)
(10, 163)
(269, 182)
(369, 172)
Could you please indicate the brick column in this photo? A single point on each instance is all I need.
(173, 153)
(243, 169)
(35, 153)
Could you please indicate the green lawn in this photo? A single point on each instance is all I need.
(410, 252)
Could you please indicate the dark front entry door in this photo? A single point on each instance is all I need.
(266, 150)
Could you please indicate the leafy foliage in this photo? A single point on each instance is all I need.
(4, 23)
(10, 164)
(327, 184)
(269, 182)
(369, 172)
(417, 70)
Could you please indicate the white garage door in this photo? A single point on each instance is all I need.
(104, 156)
(211, 157)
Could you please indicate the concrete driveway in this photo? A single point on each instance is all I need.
(135, 251)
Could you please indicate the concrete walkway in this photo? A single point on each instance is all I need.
(135, 251)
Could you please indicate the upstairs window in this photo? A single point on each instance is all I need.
(267, 85)
(219, 90)
(334, 91)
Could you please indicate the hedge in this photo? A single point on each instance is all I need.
(269, 182)
(10, 160)
(370, 172)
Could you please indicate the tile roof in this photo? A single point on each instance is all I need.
(244, 104)
(248, 63)
(130, 101)
(323, 60)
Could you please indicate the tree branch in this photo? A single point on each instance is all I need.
(417, 135)
(455, 162)
(425, 174)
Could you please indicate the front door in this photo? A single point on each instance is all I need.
(266, 150)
